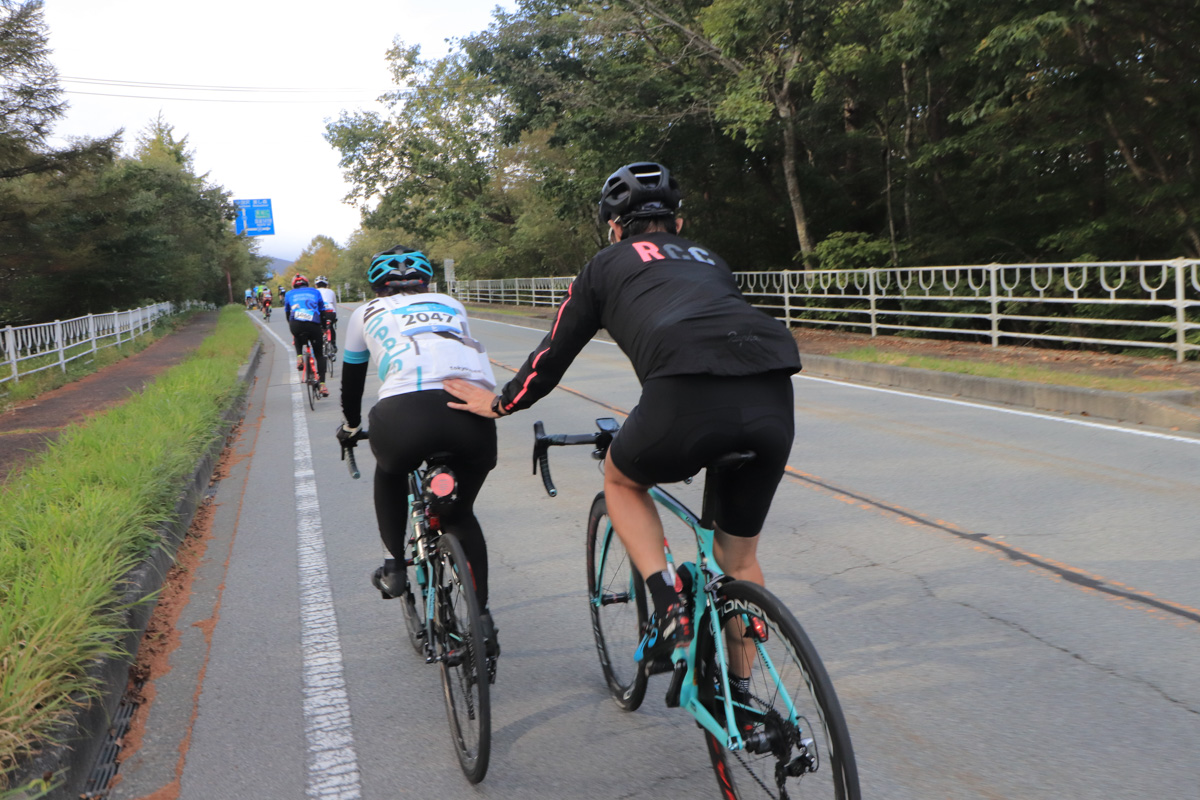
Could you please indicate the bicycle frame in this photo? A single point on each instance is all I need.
(425, 541)
(425, 565)
(704, 596)
(732, 717)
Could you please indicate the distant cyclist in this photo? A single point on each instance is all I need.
(329, 315)
(715, 375)
(302, 307)
(266, 302)
(249, 298)
(419, 339)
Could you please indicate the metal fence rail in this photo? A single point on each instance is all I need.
(1130, 304)
(29, 349)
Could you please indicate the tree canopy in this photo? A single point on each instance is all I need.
(85, 228)
(804, 132)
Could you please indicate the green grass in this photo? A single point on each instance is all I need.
(1010, 371)
(81, 515)
(30, 386)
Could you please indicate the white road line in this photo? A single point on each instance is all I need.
(935, 399)
(332, 762)
(1001, 410)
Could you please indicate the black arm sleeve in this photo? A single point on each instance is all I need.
(354, 378)
(574, 325)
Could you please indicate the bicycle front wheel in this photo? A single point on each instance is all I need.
(798, 744)
(460, 647)
(617, 597)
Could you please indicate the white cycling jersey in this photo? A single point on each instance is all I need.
(329, 298)
(417, 341)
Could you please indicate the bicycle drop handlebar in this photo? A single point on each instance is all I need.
(348, 452)
(542, 442)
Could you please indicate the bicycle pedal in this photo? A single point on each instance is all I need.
(676, 686)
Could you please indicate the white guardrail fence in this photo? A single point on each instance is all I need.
(28, 349)
(1127, 304)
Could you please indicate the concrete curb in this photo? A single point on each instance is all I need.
(81, 738)
(1168, 410)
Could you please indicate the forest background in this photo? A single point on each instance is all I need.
(805, 133)
(90, 229)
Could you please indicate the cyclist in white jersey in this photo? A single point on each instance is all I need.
(418, 339)
(329, 315)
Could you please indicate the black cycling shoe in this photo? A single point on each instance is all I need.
(390, 580)
(672, 631)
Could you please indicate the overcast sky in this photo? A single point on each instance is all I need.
(254, 144)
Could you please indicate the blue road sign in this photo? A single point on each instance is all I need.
(254, 218)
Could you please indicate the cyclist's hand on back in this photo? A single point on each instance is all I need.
(474, 398)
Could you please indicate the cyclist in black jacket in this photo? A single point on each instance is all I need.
(715, 375)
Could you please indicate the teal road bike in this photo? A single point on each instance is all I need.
(442, 612)
(784, 737)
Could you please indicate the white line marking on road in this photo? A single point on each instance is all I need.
(1002, 410)
(332, 762)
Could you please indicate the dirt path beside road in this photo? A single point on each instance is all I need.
(28, 429)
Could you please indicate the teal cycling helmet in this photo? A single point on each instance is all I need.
(399, 268)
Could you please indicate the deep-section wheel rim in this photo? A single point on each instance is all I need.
(464, 668)
(825, 768)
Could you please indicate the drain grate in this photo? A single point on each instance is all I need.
(105, 769)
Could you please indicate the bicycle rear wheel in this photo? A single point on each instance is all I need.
(617, 598)
(813, 759)
(310, 380)
(464, 666)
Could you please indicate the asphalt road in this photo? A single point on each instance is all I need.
(1007, 604)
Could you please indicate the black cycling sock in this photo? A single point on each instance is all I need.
(661, 591)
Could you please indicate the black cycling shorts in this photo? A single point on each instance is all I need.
(683, 422)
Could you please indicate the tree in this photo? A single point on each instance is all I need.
(31, 100)
(430, 163)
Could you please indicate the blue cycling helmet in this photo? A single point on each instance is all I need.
(399, 268)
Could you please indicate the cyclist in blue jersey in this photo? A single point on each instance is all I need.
(715, 374)
(303, 307)
(418, 340)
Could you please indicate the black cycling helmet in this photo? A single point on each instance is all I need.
(644, 189)
(399, 268)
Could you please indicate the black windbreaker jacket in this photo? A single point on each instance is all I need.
(671, 305)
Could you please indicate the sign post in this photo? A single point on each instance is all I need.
(254, 218)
